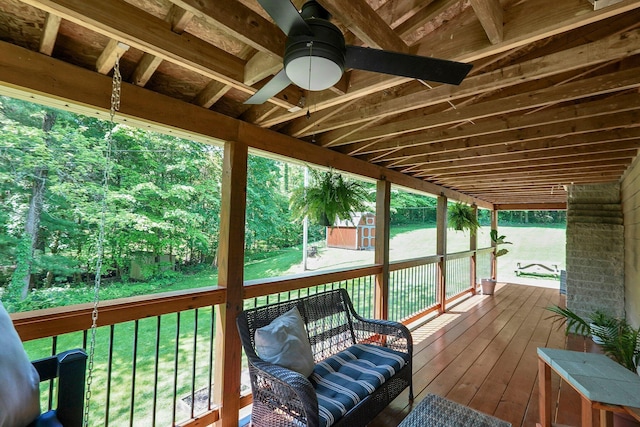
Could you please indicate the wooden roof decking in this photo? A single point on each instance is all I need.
(482, 353)
(552, 99)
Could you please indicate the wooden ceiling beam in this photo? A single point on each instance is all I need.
(107, 58)
(211, 93)
(499, 128)
(530, 206)
(602, 51)
(431, 13)
(614, 127)
(524, 23)
(49, 33)
(474, 173)
(179, 19)
(241, 22)
(260, 66)
(121, 21)
(575, 14)
(514, 183)
(625, 150)
(365, 23)
(395, 12)
(489, 13)
(499, 176)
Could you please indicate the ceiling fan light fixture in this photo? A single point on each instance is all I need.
(315, 62)
(313, 73)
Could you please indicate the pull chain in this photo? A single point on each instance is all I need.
(116, 86)
(310, 44)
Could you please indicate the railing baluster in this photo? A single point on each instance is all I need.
(212, 332)
(54, 350)
(109, 371)
(176, 356)
(134, 358)
(156, 369)
(193, 364)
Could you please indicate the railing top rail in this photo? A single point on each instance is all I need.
(60, 320)
(483, 250)
(458, 255)
(273, 285)
(414, 262)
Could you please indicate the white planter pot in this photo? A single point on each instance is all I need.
(595, 331)
(488, 286)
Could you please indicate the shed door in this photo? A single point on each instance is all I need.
(367, 236)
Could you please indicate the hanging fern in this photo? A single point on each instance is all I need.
(462, 217)
(329, 197)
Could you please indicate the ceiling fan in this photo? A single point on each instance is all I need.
(316, 56)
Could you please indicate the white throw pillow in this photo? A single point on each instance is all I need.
(285, 342)
(19, 380)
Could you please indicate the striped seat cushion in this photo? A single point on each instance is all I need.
(346, 378)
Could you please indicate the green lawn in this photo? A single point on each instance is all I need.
(407, 242)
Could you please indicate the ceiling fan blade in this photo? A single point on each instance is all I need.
(276, 85)
(286, 16)
(401, 64)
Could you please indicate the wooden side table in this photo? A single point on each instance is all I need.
(604, 386)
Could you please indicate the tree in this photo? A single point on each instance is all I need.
(43, 166)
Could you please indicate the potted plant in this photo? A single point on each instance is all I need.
(499, 240)
(462, 217)
(489, 285)
(601, 324)
(619, 339)
(329, 197)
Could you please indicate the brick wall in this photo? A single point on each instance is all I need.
(595, 249)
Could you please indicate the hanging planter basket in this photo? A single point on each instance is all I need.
(462, 217)
(330, 197)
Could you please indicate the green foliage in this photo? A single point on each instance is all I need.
(574, 323)
(411, 208)
(330, 196)
(620, 340)
(163, 198)
(268, 223)
(462, 217)
(499, 240)
(532, 217)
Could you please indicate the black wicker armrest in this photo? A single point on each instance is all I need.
(385, 333)
(276, 387)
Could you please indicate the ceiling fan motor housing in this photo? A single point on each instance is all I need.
(315, 62)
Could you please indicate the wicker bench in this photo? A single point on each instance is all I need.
(341, 343)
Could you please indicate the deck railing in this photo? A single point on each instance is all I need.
(413, 287)
(458, 276)
(154, 358)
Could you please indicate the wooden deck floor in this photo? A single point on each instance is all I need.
(482, 353)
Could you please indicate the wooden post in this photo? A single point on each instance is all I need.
(231, 276)
(383, 209)
(588, 412)
(473, 245)
(494, 259)
(544, 393)
(441, 251)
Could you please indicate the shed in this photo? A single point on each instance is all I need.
(357, 232)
